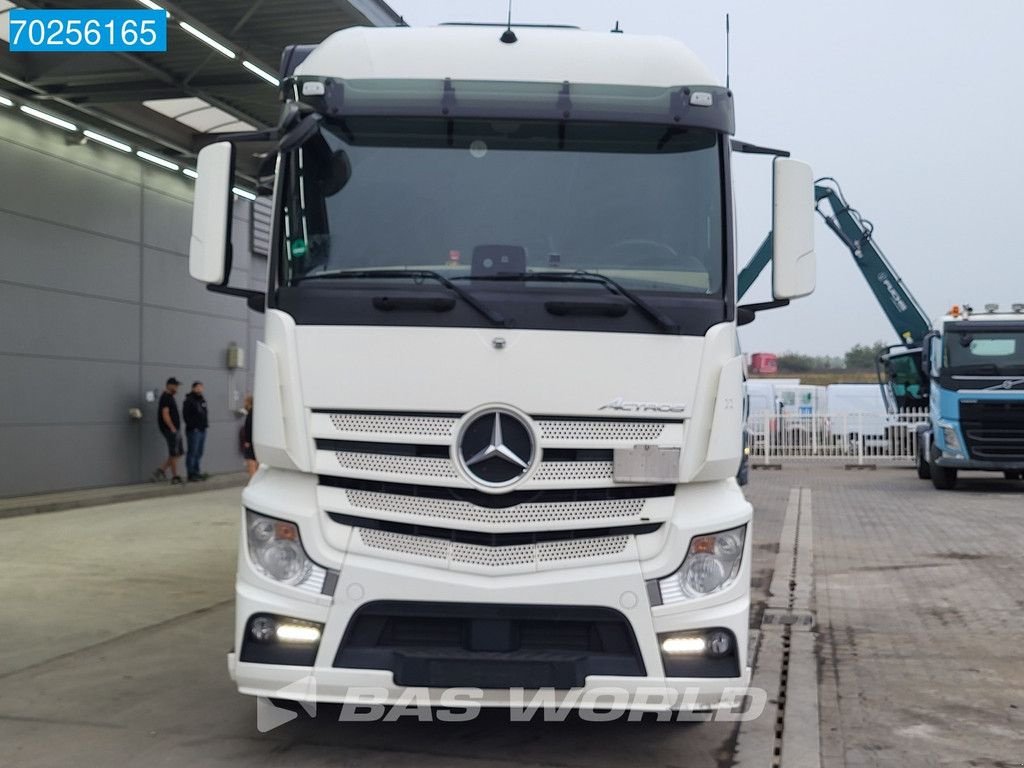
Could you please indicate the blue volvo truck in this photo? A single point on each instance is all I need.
(975, 364)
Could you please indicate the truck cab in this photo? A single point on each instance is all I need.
(499, 398)
(975, 364)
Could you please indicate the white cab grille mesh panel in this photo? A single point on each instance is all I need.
(579, 549)
(404, 544)
(433, 426)
(385, 464)
(463, 511)
(493, 557)
(574, 470)
(594, 431)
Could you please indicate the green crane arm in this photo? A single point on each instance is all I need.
(906, 316)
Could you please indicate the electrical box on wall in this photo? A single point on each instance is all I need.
(236, 357)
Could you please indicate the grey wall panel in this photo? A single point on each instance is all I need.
(47, 140)
(53, 458)
(166, 283)
(167, 222)
(170, 184)
(41, 390)
(41, 322)
(92, 318)
(240, 238)
(54, 256)
(179, 339)
(39, 185)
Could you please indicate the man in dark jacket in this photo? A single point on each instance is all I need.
(196, 423)
(169, 422)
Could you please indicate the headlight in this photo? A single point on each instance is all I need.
(950, 438)
(712, 564)
(276, 552)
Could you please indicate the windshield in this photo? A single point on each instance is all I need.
(984, 352)
(483, 200)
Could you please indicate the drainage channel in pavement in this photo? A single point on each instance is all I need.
(786, 734)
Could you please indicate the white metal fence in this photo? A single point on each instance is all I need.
(849, 438)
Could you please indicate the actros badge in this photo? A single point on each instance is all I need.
(627, 406)
(496, 448)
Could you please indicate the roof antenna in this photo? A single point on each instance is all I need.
(617, 29)
(727, 51)
(508, 36)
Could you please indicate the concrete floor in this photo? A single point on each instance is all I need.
(116, 620)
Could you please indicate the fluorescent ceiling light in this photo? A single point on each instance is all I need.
(243, 193)
(51, 119)
(190, 173)
(107, 140)
(261, 73)
(6, 102)
(150, 4)
(206, 39)
(157, 160)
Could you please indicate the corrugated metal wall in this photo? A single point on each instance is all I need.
(97, 308)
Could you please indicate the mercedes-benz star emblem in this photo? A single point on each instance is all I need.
(496, 448)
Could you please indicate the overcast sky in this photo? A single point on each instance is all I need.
(915, 107)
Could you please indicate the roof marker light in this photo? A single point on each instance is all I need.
(157, 160)
(206, 39)
(47, 118)
(4, 101)
(261, 73)
(190, 173)
(243, 193)
(107, 140)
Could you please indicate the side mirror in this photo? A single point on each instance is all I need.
(209, 253)
(793, 261)
(926, 353)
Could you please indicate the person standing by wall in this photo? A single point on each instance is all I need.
(251, 464)
(169, 422)
(196, 424)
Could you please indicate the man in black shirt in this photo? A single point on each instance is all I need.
(169, 422)
(196, 422)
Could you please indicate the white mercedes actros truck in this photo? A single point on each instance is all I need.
(499, 398)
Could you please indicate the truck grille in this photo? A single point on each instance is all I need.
(619, 511)
(493, 557)
(993, 429)
(393, 479)
(380, 426)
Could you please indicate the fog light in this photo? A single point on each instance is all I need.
(262, 628)
(297, 633)
(719, 643)
(683, 645)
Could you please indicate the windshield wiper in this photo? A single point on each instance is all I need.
(490, 314)
(666, 323)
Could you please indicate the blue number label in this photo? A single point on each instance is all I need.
(87, 30)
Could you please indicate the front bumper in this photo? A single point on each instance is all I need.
(981, 465)
(619, 587)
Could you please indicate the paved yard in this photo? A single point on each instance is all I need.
(920, 608)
